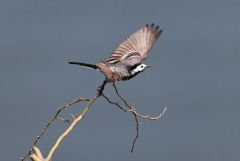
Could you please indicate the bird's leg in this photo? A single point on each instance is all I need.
(101, 87)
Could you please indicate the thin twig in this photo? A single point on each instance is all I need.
(114, 103)
(124, 101)
(36, 153)
(135, 114)
(70, 128)
(62, 119)
(38, 156)
(147, 116)
(137, 132)
(51, 121)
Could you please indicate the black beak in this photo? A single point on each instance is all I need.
(148, 66)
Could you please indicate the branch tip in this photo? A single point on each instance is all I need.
(35, 154)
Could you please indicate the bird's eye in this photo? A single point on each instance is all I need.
(141, 66)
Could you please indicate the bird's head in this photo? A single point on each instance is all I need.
(137, 68)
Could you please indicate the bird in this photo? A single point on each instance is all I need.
(126, 60)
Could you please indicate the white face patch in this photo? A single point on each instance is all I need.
(139, 68)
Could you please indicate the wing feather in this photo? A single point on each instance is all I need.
(136, 47)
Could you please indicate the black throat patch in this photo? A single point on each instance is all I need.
(133, 67)
(129, 76)
(130, 69)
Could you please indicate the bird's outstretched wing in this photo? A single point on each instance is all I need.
(136, 47)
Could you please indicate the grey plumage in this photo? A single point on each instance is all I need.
(125, 60)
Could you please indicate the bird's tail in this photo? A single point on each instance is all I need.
(93, 66)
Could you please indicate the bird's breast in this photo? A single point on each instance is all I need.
(110, 72)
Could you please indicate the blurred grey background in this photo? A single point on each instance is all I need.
(195, 73)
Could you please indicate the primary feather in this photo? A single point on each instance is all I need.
(136, 47)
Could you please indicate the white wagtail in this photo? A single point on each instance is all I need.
(125, 60)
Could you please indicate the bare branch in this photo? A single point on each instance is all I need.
(137, 132)
(35, 152)
(135, 114)
(146, 116)
(114, 103)
(51, 121)
(37, 156)
(70, 128)
(73, 117)
(62, 119)
(116, 90)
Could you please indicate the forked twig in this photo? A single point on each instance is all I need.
(70, 128)
(51, 121)
(134, 112)
(35, 152)
(134, 115)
